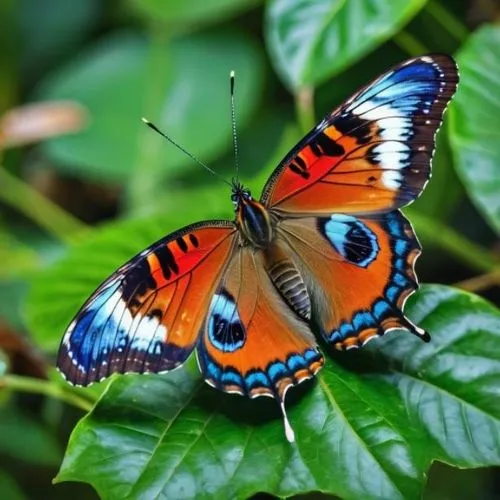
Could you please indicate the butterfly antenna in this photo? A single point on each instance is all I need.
(178, 146)
(233, 124)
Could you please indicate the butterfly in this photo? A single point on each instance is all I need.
(326, 247)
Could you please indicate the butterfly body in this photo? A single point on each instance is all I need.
(252, 219)
(326, 248)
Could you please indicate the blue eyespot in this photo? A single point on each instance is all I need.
(225, 330)
(351, 238)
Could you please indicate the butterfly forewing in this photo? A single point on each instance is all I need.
(146, 317)
(373, 153)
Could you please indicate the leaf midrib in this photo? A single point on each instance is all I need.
(334, 404)
(164, 433)
(448, 393)
(319, 34)
(181, 459)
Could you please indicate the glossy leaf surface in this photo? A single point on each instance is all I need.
(475, 121)
(312, 40)
(368, 427)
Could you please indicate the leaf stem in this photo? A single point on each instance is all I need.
(410, 44)
(448, 20)
(46, 388)
(27, 200)
(481, 282)
(304, 106)
(443, 236)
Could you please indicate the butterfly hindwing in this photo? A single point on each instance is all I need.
(146, 317)
(251, 342)
(360, 272)
(373, 153)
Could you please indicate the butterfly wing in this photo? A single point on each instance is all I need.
(373, 153)
(252, 343)
(360, 272)
(146, 317)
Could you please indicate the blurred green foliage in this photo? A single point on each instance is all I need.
(127, 76)
(475, 123)
(73, 208)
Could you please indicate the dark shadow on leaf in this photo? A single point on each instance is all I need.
(255, 412)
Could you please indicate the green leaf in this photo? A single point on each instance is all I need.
(9, 488)
(290, 137)
(181, 86)
(312, 40)
(368, 427)
(186, 13)
(215, 200)
(47, 38)
(27, 439)
(475, 121)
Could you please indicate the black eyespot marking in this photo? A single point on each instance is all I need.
(355, 127)
(167, 261)
(325, 145)
(316, 149)
(182, 244)
(372, 156)
(301, 163)
(194, 240)
(348, 123)
(297, 170)
(358, 245)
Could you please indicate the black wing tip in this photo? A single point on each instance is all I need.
(445, 62)
(436, 57)
(129, 362)
(414, 329)
(425, 336)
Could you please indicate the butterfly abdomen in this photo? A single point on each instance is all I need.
(287, 279)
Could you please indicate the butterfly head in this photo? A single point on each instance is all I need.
(252, 218)
(239, 194)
